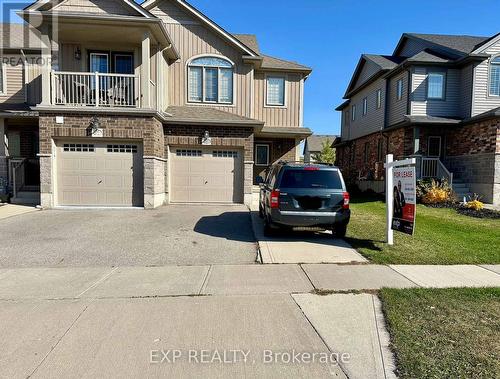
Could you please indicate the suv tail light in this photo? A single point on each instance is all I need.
(275, 198)
(345, 205)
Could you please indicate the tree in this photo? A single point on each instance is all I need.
(327, 153)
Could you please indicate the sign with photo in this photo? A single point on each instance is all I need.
(404, 199)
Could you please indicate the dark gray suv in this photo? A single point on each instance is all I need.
(295, 195)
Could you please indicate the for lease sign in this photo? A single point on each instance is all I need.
(404, 199)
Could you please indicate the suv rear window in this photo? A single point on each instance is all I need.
(300, 178)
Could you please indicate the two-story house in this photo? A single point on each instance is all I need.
(436, 98)
(111, 103)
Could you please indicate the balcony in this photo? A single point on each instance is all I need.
(76, 89)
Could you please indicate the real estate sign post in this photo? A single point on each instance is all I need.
(400, 196)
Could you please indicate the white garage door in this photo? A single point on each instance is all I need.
(99, 173)
(206, 175)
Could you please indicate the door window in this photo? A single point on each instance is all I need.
(124, 64)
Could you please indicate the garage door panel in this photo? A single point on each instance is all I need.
(97, 176)
(206, 178)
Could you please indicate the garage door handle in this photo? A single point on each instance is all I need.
(206, 181)
(100, 181)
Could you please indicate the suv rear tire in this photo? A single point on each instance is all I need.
(269, 230)
(261, 211)
(339, 231)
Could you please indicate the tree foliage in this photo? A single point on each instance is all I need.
(327, 153)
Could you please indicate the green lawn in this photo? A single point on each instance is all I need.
(444, 333)
(441, 236)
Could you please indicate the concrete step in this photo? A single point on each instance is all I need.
(26, 198)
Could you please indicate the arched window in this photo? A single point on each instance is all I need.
(210, 80)
(495, 76)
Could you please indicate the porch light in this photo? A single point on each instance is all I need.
(78, 53)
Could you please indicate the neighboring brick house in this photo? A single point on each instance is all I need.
(314, 144)
(112, 103)
(436, 98)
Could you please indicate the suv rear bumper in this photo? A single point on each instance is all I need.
(297, 219)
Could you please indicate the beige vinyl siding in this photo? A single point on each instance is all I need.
(193, 39)
(33, 73)
(397, 109)
(368, 70)
(14, 88)
(96, 6)
(374, 119)
(412, 47)
(289, 115)
(67, 61)
(483, 102)
(448, 107)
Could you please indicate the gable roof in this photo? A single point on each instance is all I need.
(268, 62)
(315, 142)
(458, 44)
(45, 5)
(148, 4)
(383, 63)
(249, 40)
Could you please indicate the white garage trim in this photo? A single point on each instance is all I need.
(99, 173)
(203, 174)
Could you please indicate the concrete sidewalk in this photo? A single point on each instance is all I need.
(10, 210)
(123, 321)
(127, 282)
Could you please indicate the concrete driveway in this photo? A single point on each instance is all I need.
(172, 235)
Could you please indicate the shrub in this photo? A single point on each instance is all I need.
(475, 204)
(434, 192)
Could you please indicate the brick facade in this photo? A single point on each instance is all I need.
(471, 152)
(279, 149)
(147, 129)
(365, 156)
(240, 137)
(123, 127)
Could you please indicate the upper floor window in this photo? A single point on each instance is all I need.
(365, 106)
(353, 113)
(379, 98)
(399, 92)
(275, 95)
(495, 77)
(210, 80)
(436, 85)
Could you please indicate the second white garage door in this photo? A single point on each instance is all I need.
(98, 173)
(206, 175)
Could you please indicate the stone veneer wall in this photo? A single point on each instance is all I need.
(145, 128)
(241, 137)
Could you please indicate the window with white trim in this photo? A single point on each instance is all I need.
(365, 106)
(379, 98)
(353, 113)
(261, 155)
(210, 80)
(399, 89)
(495, 76)
(436, 85)
(275, 88)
